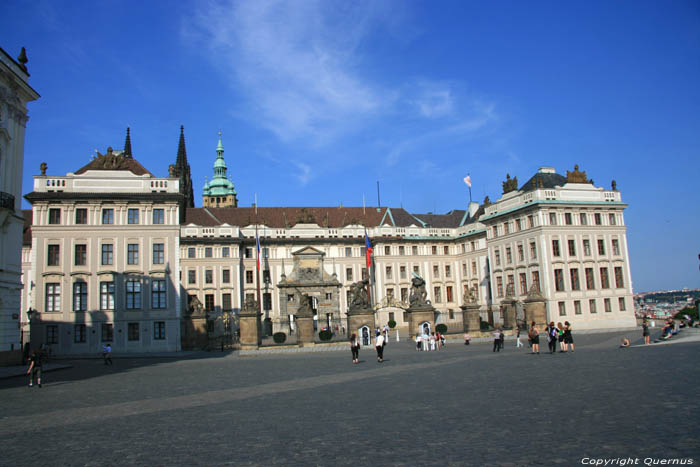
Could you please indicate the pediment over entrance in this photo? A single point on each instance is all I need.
(308, 269)
(308, 251)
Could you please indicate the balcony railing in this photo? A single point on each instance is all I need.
(7, 201)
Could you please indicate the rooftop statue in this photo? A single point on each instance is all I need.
(511, 184)
(109, 161)
(577, 176)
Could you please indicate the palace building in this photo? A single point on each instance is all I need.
(15, 93)
(116, 254)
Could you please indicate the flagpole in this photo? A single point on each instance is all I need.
(257, 265)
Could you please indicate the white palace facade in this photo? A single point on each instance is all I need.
(113, 253)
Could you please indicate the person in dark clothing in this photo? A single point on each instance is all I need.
(552, 337)
(34, 370)
(355, 348)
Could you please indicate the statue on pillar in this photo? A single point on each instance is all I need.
(510, 290)
(358, 295)
(470, 295)
(195, 306)
(305, 308)
(534, 292)
(418, 295)
(250, 306)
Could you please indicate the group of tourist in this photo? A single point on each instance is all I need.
(380, 340)
(553, 333)
(428, 342)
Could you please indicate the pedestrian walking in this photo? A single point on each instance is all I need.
(443, 340)
(534, 335)
(467, 338)
(502, 340)
(379, 346)
(517, 340)
(107, 354)
(497, 341)
(355, 348)
(34, 370)
(568, 338)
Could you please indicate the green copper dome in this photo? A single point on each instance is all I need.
(219, 184)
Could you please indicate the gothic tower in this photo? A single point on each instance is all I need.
(219, 192)
(181, 170)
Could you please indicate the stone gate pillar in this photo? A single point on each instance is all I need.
(535, 307)
(250, 325)
(305, 321)
(508, 313)
(471, 317)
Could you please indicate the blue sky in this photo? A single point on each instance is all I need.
(319, 100)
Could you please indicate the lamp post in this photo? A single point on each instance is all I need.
(30, 315)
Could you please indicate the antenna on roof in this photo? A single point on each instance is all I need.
(363, 204)
(379, 203)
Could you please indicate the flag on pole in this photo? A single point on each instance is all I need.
(257, 247)
(368, 247)
(468, 181)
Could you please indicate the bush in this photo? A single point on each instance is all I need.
(325, 335)
(484, 325)
(441, 328)
(690, 311)
(279, 337)
(392, 324)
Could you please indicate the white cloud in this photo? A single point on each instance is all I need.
(472, 121)
(304, 175)
(300, 68)
(297, 62)
(432, 100)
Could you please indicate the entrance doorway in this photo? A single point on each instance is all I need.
(365, 336)
(426, 328)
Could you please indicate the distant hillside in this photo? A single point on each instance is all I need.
(670, 296)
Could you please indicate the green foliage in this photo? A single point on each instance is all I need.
(484, 325)
(325, 335)
(279, 337)
(392, 324)
(691, 311)
(441, 328)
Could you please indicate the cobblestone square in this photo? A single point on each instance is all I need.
(464, 405)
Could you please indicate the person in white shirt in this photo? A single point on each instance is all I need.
(379, 345)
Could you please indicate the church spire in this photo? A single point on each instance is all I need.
(181, 150)
(181, 169)
(127, 145)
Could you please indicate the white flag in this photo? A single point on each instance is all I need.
(468, 181)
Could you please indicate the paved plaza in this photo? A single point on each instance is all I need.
(464, 405)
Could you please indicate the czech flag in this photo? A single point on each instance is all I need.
(368, 247)
(257, 246)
